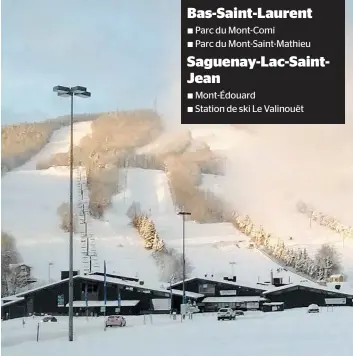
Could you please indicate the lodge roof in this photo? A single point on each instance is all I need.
(309, 286)
(110, 280)
(241, 284)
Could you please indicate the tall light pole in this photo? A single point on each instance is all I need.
(82, 93)
(184, 213)
(49, 266)
(171, 293)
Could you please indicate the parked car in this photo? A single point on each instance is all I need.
(239, 312)
(313, 308)
(49, 319)
(226, 313)
(115, 320)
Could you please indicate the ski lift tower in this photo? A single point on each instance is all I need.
(88, 243)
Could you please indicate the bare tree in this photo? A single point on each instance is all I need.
(134, 210)
(170, 264)
(327, 257)
(64, 214)
(9, 256)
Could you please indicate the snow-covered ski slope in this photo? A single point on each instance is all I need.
(209, 247)
(266, 177)
(30, 200)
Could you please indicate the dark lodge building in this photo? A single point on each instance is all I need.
(224, 293)
(124, 296)
(304, 294)
(130, 296)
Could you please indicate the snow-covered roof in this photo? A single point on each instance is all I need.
(100, 303)
(274, 304)
(14, 301)
(217, 280)
(144, 286)
(14, 265)
(232, 299)
(10, 298)
(308, 286)
(116, 281)
(43, 287)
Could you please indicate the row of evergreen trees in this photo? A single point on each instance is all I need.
(325, 220)
(318, 268)
(168, 260)
(147, 231)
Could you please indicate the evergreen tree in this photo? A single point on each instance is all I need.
(292, 258)
(267, 241)
(248, 229)
(313, 271)
(282, 250)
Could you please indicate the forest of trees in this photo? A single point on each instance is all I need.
(19, 142)
(326, 220)
(112, 141)
(184, 172)
(168, 260)
(320, 267)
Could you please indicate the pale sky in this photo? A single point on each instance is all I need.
(121, 50)
(126, 52)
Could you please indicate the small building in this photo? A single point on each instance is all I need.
(21, 268)
(22, 273)
(302, 295)
(221, 293)
(274, 306)
(336, 278)
(123, 297)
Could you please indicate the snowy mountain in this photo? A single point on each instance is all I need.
(260, 181)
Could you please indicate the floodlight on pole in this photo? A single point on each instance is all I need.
(183, 213)
(81, 92)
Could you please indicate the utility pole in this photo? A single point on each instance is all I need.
(171, 295)
(49, 266)
(184, 213)
(232, 264)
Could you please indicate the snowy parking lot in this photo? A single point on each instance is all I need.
(285, 333)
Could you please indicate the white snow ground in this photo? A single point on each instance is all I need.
(277, 334)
